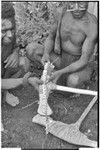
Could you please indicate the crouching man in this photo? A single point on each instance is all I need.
(9, 49)
(70, 44)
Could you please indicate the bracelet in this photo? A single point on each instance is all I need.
(25, 78)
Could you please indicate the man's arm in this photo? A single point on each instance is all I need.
(87, 51)
(7, 84)
(11, 83)
(49, 43)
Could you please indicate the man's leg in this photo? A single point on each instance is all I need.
(15, 73)
(77, 79)
(8, 97)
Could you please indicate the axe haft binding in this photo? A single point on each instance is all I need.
(44, 109)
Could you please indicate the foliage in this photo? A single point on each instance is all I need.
(33, 20)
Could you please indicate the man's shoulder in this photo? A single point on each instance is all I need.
(92, 24)
(92, 18)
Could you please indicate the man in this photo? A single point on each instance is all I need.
(10, 51)
(10, 58)
(70, 44)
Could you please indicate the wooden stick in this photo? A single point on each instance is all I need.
(73, 90)
(86, 111)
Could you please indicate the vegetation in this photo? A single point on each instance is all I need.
(34, 19)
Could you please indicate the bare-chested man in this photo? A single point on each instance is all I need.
(72, 41)
(10, 63)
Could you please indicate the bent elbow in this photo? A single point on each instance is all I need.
(84, 62)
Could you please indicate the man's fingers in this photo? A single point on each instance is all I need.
(7, 59)
(8, 64)
(38, 81)
(35, 81)
(51, 78)
(13, 64)
(43, 62)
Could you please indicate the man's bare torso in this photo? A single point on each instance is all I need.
(73, 33)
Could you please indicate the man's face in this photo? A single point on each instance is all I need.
(78, 9)
(8, 31)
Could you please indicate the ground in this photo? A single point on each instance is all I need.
(21, 132)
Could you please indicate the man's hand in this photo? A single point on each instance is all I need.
(12, 60)
(45, 58)
(35, 82)
(55, 75)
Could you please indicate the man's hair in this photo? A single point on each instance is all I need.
(7, 10)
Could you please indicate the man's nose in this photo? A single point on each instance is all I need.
(9, 34)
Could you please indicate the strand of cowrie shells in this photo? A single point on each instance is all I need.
(44, 108)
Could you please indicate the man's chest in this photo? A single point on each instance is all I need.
(72, 30)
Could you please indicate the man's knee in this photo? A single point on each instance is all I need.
(73, 80)
(34, 50)
(30, 49)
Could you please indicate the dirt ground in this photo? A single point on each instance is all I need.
(21, 132)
